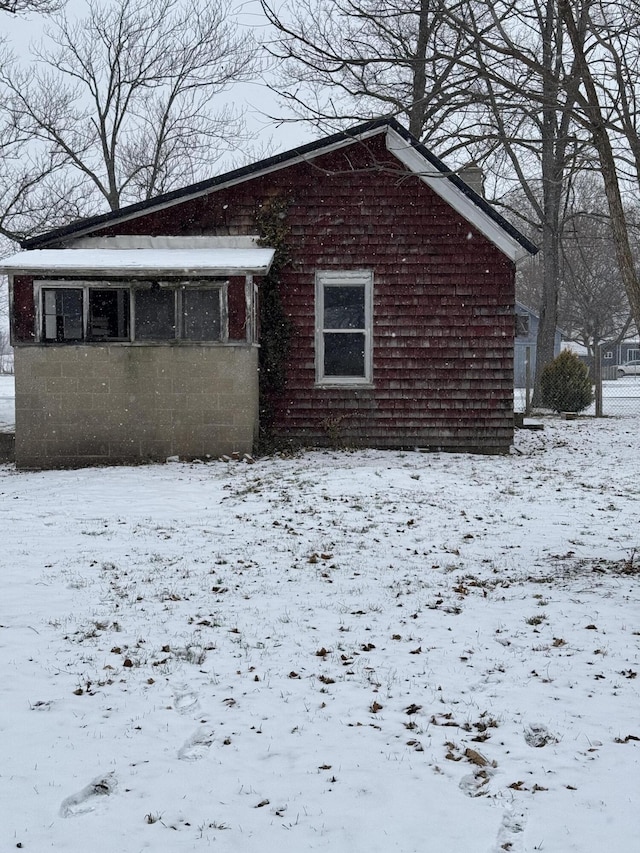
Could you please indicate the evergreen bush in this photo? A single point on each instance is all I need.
(565, 384)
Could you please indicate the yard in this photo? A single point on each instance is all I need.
(345, 652)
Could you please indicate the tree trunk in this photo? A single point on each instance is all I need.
(602, 144)
(419, 89)
(553, 155)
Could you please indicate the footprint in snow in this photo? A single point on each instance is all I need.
(476, 784)
(195, 747)
(85, 800)
(537, 735)
(511, 832)
(185, 702)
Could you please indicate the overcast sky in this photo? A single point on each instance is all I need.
(256, 98)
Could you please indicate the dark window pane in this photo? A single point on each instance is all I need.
(344, 307)
(522, 325)
(62, 310)
(109, 314)
(155, 314)
(344, 354)
(201, 315)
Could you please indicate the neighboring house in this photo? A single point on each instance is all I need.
(612, 355)
(527, 323)
(616, 353)
(136, 337)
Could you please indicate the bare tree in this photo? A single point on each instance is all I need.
(598, 81)
(123, 99)
(604, 38)
(593, 304)
(23, 7)
(345, 60)
(524, 59)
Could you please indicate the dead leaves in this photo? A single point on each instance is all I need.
(475, 757)
(626, 739)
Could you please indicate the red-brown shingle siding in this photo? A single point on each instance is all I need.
(443, 299)
(24, 310)
(236, 304)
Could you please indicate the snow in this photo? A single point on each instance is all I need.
(339, 651)
(226, 261)
(7, 403)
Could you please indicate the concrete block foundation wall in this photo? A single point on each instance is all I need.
(97, 405)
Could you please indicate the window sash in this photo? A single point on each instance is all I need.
(62, 320)
(108, 312)
(105, 312)
(344, 320)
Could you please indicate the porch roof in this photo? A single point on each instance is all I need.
(140, 262)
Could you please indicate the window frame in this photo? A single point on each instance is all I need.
(343, 278)
(179, 287)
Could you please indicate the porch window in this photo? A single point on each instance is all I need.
(62, 314)
(201, 314)
(155, 314)
(165, 313)
(343, 327)
(140, 311)
(108, 314)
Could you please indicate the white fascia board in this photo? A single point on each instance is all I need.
(140, 262)
(439, 182)
(135, 241)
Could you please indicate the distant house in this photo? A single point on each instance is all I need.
(613, 354)
(619, 352)
(526, 344)
(136, 333)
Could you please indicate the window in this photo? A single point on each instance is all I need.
(62, 314)
(522, 325)
(144, 311)
(108, 314)
(633, 354)
(608, 354)
(344, 309)
(155, 314)
(201, 315)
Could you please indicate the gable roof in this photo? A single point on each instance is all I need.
(403, 145)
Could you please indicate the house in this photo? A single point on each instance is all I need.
(616, 353)
(527, 323)
(387, 313)
(613, 356)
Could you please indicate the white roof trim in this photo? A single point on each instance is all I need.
(142, 241)
(141, 262)
(439, 182)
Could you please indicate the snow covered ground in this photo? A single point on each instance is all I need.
(619, 397)
(345, 652)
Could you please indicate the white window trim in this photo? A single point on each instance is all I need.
(85, 285)
(336, 278)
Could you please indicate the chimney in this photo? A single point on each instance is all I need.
(473, 176)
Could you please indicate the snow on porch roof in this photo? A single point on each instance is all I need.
(141, 262)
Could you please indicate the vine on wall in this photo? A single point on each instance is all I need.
(275, 327)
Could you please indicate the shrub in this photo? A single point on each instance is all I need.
(565, 384)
